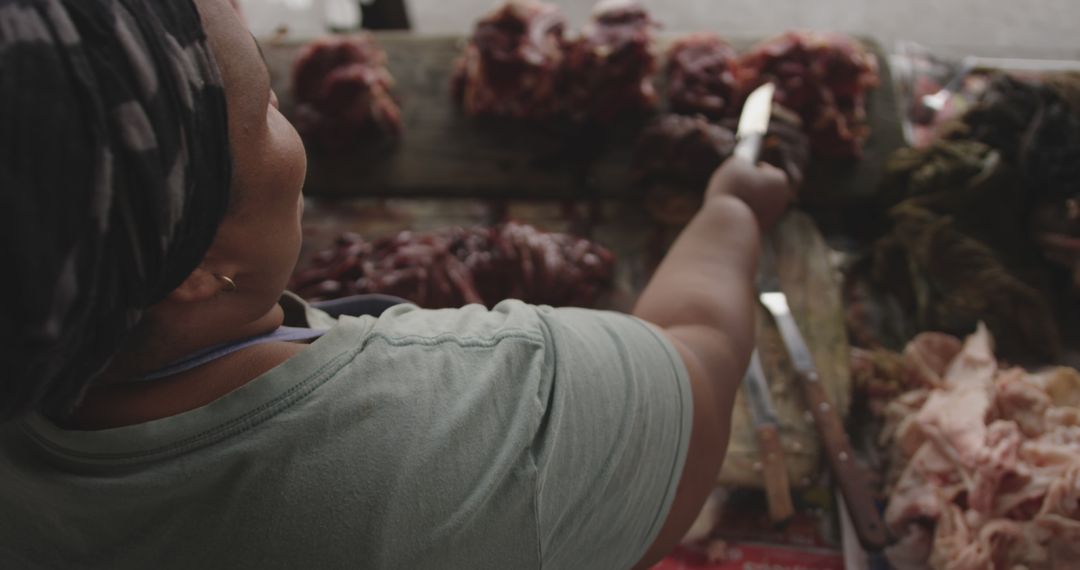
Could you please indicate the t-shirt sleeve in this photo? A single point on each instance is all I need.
(613, 438)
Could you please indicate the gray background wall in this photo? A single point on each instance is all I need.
(1000, 28)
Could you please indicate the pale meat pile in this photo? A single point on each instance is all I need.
(985, 466)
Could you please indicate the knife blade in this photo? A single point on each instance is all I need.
(754, 122)
(852, 480)
(767, 428)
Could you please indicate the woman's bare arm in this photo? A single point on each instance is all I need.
(702, 296)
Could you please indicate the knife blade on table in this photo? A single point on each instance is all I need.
(767, 428)
(850, 476)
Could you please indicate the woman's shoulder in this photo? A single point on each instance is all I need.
(468, 325)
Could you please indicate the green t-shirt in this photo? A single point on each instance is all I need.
(520, 437)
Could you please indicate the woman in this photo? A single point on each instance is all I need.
(159, 415)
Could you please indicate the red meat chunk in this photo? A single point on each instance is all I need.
(685, 150)
(519, 65)
(342, 92)
(682, 150)
(824, 78)
(702, 76)
(609, 67)
(458, 266)
(512, 64)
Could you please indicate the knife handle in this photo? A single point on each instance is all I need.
(852, 480)
(777, 488)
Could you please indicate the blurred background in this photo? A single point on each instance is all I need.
(1027, 28)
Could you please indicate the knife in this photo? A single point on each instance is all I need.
(852, 480)
(766, 426)
(754, 122)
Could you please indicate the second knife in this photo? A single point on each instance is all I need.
(767, 428)
(850, 476)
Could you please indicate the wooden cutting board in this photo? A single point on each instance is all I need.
(813, 291)
(445, 154)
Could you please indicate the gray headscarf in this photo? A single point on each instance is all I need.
(114, 176)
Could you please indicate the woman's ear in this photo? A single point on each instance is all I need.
(201, 285)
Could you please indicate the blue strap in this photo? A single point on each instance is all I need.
(281, 334)
(356, 305)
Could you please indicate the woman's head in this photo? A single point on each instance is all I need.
(258, 243)
(117, 163)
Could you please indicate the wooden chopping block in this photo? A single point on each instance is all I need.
(443, 153)
(813, 292)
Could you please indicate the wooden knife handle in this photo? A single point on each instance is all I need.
(852, 480)
(777, 488)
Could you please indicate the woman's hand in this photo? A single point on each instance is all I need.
(762, 187)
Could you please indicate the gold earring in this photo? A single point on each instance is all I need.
(230, 285)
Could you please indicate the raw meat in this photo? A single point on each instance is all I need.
(824, 78)
(785, 145)
(459, 266)
(342, 91)
(702, 76)
(929, 355)
(1022, 401)
(608, 69)
(513, 64)
(912, 550)
(519, 65)
(686, 150)
(985, 459)
(682, 150)
(900, 422)
(926, 486)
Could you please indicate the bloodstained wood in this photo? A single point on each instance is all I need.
(445, 154)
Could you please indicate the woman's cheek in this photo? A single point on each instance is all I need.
(292, 146)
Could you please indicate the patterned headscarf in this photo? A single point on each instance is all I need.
(114, 176)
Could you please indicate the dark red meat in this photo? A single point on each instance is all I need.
(824, 78)
(342, 92)
(702, 76)
(785, 145)
(609, 68)
(685, 151)
(511, 66)
(458, 266)
(682, 150)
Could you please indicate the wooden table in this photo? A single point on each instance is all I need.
(452, 170)
(445, 154)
